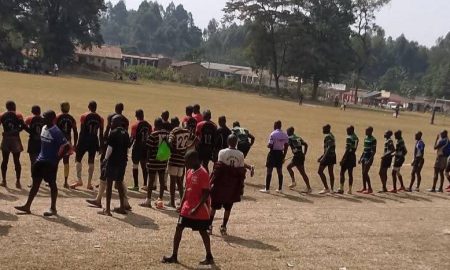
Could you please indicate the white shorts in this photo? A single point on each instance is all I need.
(175, 171)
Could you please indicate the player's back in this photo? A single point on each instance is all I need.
(141, 131)
(208, 132)
(154, 140)
(35, 124)
(179, 140)
(12, 123)
(91, 123)
(231, 157)
(66, 123)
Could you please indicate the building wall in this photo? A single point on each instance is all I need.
(193, 73)
(100, 62)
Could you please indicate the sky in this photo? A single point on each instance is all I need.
(423, 21)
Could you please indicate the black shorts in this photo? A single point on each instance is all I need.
(82, 149)
(114, 172)
(447, 167)
(418, 164)
(138, 154)
(386, 163)
(194, 224)
(275, 159)
(398, 162)
(44, 170)
(34, 147)
(244, 147)
(328, 160)
(205, 153)
(349, 162)
(298, 161)
(12, 144)
(218, 206)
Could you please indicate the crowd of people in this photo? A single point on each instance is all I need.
(180, 152)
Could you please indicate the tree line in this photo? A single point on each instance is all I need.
(317, 40)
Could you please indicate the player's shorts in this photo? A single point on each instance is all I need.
(298, 161)
(244, 147)
(205, 153)
(447, 168)
(114, 172)
(328, 161)
(12, 144)
(218, 206)
(398, 162)
(386, 163)
(441, 163)
(194, 224)
(34, 147)
(44, 170)
(138, 154)
(418, 164)
(275, 159)
(349, 162)
(82, 149)
(175, 171)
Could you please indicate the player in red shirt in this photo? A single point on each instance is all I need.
(13, 124)
(196, 114)
(67, 124)
(195, 208)
(90, 140)
(188, 116)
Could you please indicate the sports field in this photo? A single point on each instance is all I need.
(267, 231)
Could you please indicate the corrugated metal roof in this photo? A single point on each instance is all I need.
(182, 63)
(105, 51)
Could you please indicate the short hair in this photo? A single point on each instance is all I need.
(290, 129)
(189, 110)
(119, 107)
(351, 128)
(277, 124)
(222, 118)
(398, 132)
(36, 110)
(175, 122)
(10, 105)
(236, 124)
(65, 107)
(140, 113)
(158, 123)
(370, 129)
(92, 105)
(49, 115)
(192, 154)
(232, 140)
(196, 107)
(207, 115)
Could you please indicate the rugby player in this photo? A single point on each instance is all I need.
(366, 160)
(386, 159)
(34, 125)
(299, 149)
(399, 159)
(418, 161)
(348, 161)
(327, 160)
(206, 133)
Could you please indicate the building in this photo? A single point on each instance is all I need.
(190, 71)
(105, 57)
(242, 74)
(154, 61)
(350, 95)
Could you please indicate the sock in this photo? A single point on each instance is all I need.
(101, 190)
(90, 171)
(79, 167)
(66, 171)
(136, 177)
(350, 188)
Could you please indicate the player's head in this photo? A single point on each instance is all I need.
(49, 118)
(232, 141)
(326, 129)
(207, 115)
(388, 134)
(139, 114)
(191, 124)
(175, 122)
(350, 130)
(36, 110)
(398, 134)
(92, 106)
(189, 110)
(444, 134)
(65, 107)
(222, 121)
(158, 123)
(277, 125)
(196, 108)
(290, 131)
(369, 131)
(418, 136)
(116, 121)
(192, 160)
(119, 108)
(236, 124)
(165, 116)
(10, 106)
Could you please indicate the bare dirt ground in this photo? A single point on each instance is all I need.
(266, 231)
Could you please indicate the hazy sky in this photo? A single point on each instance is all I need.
(420, 20)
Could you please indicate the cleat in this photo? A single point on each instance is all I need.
(324, 191)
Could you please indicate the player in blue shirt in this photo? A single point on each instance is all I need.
(54, 146)
(442, 146)
(418, 161)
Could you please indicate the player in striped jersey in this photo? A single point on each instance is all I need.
(140, 130)
(34, 125)
(399, 159)
(156, 168)
(328, 159)
(299, 149)
(366, 160)
(90, 140)
(67, 124)
(386, 159)
(348, 161)
(178, 141)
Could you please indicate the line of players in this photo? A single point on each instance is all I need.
(393, 155)
(196, 131)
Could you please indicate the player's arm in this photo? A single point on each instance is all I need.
(102, 139)
(305, 147)
(374, 149)
(252, 139)
(75, 133)
(285, 150)
(26, 125)
(205, 195)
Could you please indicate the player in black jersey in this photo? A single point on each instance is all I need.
(67, 124)
(206, 132)
(13, 124)
(90, 139)
(34, 125)
(118, 110)
(221, 137)
(140, 130)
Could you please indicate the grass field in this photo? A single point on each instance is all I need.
(267, 231)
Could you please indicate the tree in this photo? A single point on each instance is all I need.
(271, 17)
(11, 36)
(364, 11)
(59, 25)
